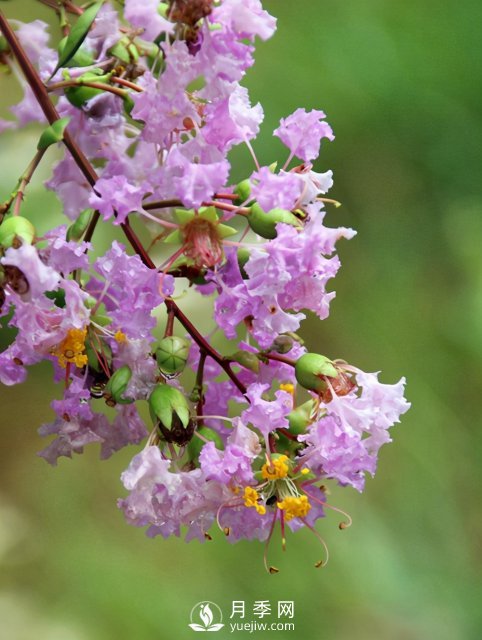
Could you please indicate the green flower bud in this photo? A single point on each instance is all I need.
(79, 94)
(247, 360)
(264, 222)
(79, 227)
(282, 344)
(310, 369)
(300, 417)
(196, 444)
(163, 9)
(116, 386)
(16, 230)
(172, 354)
(170, 410)
(243, 191)
(166, 402)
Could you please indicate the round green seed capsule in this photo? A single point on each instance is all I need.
(310, 370)
(172, 354)
(16, 228)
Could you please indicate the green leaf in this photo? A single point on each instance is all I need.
(53, 134)
(78, 34)
(58, 297)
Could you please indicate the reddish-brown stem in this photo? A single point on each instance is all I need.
(19, 193)
(278, 358)
(90, 175)
(162, 204)
(66, 84)
(92, 225)
(288, 434)
(170, 323)
(68, 6)
(52, 116)
(203, 344)
(127, 83)
(226, 196)
(242, 211)
(199, 385)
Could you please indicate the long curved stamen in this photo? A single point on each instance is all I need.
(320, 563)
(226, 505)
(153, 439)
(252, 153)
(159, 221)
(266, 546)
(283, 536)
(201, 437)
(342, 525)
(225, 418)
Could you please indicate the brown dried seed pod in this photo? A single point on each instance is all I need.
(178, 433)
(189, 11)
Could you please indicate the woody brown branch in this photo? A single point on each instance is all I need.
(91, 176)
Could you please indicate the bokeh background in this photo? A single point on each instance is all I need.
(401, 85)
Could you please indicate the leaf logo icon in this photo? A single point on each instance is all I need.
(206, 615)
(204, 611)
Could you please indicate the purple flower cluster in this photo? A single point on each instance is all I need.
(153, 104)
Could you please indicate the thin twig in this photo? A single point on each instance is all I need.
(66, 84)
(278, 358)
(67, 6)
(25, 180)
(91, 176)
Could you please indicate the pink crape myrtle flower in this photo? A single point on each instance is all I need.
(183, 339)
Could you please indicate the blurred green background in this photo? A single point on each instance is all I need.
(401, 86)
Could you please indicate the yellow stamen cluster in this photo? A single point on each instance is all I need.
(72, 348)
(251, 497)
(276, 469)
(294, 506)
(288, 387)
(120, 337)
